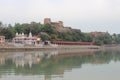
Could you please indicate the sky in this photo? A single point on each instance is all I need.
(87, 15)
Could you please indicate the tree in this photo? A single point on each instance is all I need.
(49, 29)
(18, 28)
(44, 36)
(105, 39)
(8, 32)
(88, 37)
(98, 42)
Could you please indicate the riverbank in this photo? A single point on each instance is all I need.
(47, 47)
(11, 47)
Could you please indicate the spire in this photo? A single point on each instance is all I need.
(22, 34)
(30, 35)
(16, 33)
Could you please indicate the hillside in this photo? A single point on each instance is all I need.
(53, 31)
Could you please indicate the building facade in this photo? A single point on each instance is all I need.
(23, 39)
(2, 39)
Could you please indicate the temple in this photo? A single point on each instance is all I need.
(23, 39)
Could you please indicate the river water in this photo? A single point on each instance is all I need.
(60, 65)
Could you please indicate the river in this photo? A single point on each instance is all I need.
(60, 65)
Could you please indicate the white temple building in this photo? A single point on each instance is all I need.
(22, 39)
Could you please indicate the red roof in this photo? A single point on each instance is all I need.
(72, 43)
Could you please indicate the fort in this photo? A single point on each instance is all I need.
(58, 25)
(55, 24)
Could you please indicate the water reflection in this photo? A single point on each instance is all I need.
(51, 64)
(30, 59)
(2, 60)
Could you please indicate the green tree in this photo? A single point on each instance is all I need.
(88, 37)
(44, 36)
(98, 42)
(18, 28)
(49, 29)
(8, 32)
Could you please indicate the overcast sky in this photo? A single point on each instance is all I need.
(87, 15)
